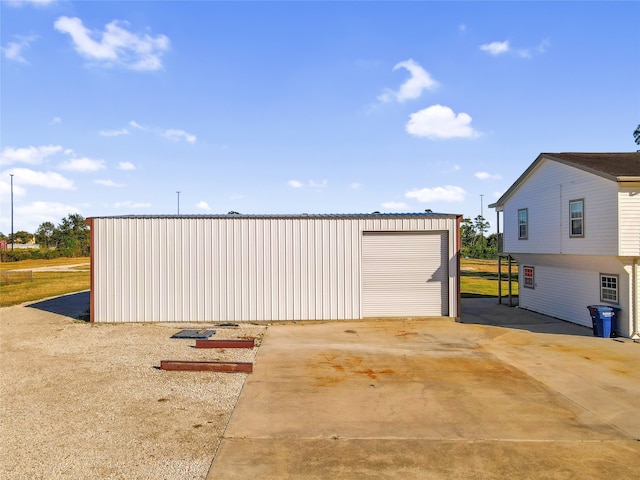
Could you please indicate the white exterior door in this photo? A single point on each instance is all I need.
(405, 274)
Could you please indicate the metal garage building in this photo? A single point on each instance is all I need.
(237, 268)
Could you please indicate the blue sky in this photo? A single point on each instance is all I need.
(110, 108)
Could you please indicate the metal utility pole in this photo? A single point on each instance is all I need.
(481, 215)
(178, 202)
(12, 238)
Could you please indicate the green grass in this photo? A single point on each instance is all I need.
(44, 284)
(479, 278)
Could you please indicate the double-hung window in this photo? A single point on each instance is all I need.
(608, 288)
(576, 218)
(528, 277)
(523, 224)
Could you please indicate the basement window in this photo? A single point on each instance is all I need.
(608, 288)
(528, 277)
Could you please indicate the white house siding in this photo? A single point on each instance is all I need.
(577, 277)
(191, 268)
(629, 212)
(546, 194)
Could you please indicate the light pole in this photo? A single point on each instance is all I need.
(13, 240)
(178, 202)
(481, 216)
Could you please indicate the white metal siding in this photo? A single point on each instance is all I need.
(404, 274)
(565, 285)
(546, 194)
(629, 211)
(194, 269)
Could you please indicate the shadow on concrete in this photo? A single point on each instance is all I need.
(487, 311)
(74, 305)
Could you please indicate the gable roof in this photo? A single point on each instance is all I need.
(617, 167)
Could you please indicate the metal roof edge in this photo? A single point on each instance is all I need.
(284, 216)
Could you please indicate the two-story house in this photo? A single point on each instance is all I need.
(572, 221)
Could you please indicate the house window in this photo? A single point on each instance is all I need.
(576, 218)
(523, 224)
(608, 288)
(528, 277)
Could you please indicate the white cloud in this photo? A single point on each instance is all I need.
(355, 185)
(487, 176)
(130, 204)
(5, 188)
(126, 166)
(439, 121)
(38, 3)
(177, 135)
(56, 121)
(29, 155)
(462, 27)
(116, 45)
(109, 183)
(419, 81)
(27, 176)
(314, 184)
(38, 212)
(310, 184)
(496, 48)
(202, 205)
(13, 50)
(395, 206)
(82, 165)
(499, 48)
(135, 124)
(114, 133)
(448, 193)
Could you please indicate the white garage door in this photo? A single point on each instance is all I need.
(405, 274)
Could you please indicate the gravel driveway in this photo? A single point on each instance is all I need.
(89, 401)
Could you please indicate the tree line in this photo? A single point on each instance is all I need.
(475, 244)
(70, 238)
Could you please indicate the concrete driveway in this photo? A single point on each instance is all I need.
(504, 394)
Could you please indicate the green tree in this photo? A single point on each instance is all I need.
(481, 225)
(636, 135)
(467, 235)
(72, 235)
(21, 236)
(45, 234)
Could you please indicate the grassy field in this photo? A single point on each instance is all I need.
(44, 284)
(478, 278)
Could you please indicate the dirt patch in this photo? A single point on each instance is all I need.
(89, 401)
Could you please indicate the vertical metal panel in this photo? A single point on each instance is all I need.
(235, 269)
(405, 274)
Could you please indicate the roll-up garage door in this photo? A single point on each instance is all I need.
(405, 274)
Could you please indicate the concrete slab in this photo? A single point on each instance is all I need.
(435, 399)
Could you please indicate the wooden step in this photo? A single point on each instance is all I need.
(204, 366)
(231, 343)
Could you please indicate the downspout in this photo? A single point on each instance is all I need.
(634, 302)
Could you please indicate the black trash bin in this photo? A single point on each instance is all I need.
(604, 319)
